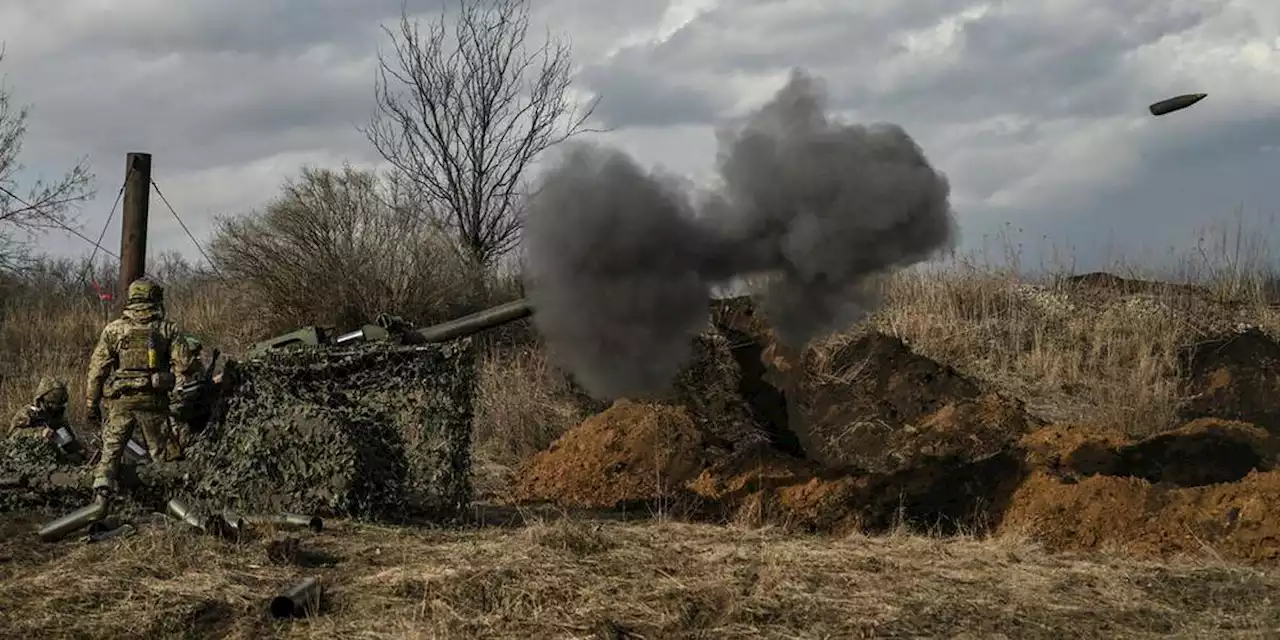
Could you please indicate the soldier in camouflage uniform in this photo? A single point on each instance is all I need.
(46, 419)
(48, 411)
(187, 399)
(140, 358)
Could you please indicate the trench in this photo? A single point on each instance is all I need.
(766, 403)
(1183, 460)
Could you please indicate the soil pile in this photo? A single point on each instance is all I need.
(871, 404)
(628, 456)
(1236, 377)
(878, 406)
(895, 439)
(935, 447)
(644, 452)
(1209, 485)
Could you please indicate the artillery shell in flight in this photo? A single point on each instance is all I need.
(1176, 103)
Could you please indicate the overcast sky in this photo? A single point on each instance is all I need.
(1035, 109)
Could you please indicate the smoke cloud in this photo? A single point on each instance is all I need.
(621, 261)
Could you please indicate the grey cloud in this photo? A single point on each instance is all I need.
(1015, 61)
(681, 79)
(634, 97)
(1008, 60)
(1041, 100)
(1188, 184)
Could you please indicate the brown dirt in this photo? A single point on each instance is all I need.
(632, 453)
(1204, 487)
(880, 396)
(932, 451)
(1232, 520)
(1236, 377)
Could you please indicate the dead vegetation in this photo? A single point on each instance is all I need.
(1094, 352)
(571, 578)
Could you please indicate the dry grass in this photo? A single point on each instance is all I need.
(1098, 356)
(523, 404)
(1094, 356)
(595, 579)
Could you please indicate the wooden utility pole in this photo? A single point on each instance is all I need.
(133, 227)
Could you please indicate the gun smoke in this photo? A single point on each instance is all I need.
(622, 261)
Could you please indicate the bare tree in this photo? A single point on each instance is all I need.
(45, 205)
(464, 117)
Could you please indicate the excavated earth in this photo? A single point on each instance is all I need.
(889, 438)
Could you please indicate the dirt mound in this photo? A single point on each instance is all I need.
(1205, 485)
(1202, 452)
(938, 457)
(891, 438)
(1236, 520)
(1236, 377)
(632, 454)
(876, 405)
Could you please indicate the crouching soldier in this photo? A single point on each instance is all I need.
(188, 402)
(138, 361)
(46, 419)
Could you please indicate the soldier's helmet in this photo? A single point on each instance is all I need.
(145, 290)
(51, 393)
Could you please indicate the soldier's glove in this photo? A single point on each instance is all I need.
(95, 413)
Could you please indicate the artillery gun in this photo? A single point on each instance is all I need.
(213, 389)
(393, 328)
(328, 422)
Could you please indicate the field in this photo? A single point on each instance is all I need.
(1139, 502)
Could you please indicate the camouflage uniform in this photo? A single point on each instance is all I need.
(48, 411)
(46, 419)
(186, 398)
(140, 358)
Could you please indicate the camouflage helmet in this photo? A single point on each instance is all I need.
(51, 392)
(145, 290)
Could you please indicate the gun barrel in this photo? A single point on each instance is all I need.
(476, 322)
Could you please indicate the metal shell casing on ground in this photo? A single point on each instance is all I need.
(300, 600)
(74, 521)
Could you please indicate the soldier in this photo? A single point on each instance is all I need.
(187, 398)
(47, 413)
(46, 419)
(140, 358)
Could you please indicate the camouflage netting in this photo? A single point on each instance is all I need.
(33, 476)
(378, 431)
